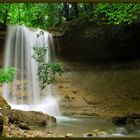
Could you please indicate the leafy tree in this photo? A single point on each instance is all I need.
(46, 71)
(7, 75)
(116, 13)
(45, 15)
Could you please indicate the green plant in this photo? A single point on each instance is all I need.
(46, 71)
(7, 74)
(116, 13)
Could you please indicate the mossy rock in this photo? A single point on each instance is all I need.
(4, 104)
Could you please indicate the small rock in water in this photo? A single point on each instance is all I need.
(137, 122)
(72, 98)
(60, 86)
(96, 130)
(49, 132)
(74, 91)
(67, 97)
(121, 130)
(24, 126)
(69, 135)
(102, 134)
(89, 135)
(119, 120)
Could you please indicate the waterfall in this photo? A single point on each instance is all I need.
(24, 93)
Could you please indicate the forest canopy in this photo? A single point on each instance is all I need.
(46, 15)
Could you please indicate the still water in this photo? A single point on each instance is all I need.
(82, 126)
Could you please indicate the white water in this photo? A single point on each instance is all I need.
(24, 93)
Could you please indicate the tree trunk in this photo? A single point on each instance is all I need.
(85, 7)
(5, 16)
(66, 10)
(75, 5)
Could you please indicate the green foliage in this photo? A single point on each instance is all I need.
(7, 75)
(46, 71)
(45, 15)
(116, 13)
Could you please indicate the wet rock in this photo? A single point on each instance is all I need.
(53, 119)
(102, 134)
(49, 132)
(69, 135)
(99, 133)
(88, 135)
(24, 126)
(121, 130)
(32, 118)
(131, 128)
(126, 119)
(137, 122)
(119, 120)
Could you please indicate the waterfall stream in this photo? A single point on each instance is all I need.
(24, 93)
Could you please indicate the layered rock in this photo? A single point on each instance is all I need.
(84, 40)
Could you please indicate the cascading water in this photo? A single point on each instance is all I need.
(24, 93)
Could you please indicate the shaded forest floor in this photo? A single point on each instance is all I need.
(106, 89)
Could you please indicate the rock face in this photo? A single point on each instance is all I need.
(84, 40)
(31, 118)
(3, 103)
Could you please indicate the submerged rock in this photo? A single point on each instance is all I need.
(31, 118)
(69, 135)
(96, 133)
(121, 130)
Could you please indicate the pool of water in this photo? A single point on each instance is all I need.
(81, 126)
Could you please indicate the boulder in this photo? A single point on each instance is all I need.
(31, 118)
(3, 103)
